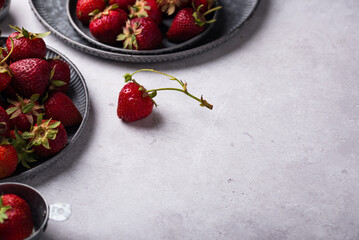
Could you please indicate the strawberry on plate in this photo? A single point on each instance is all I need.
(170, 6)
(47, 137)
(60, 107)
(135, 102)
(141, 34)
(60, 75)
(30, 76)
(123, 4)
(24, 112)
(26, 44)
(16, 221)
(85, 7)
(8, 161)
(146, 8)
(106, 25)
(188, 23)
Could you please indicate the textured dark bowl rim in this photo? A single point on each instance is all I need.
(25, 174)
(44, 223)
(104, 46)
(145, 58)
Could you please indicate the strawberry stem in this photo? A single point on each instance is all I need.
(204, 103)
(8, 55)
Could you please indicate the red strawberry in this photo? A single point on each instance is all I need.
(26, 44)
(8, 162)
(85, 7)
(170, 6)
(60, 75)
(30, 76)
(184, 26)
(187, 24)
(123, 4)
(16, 221)
(106, 25)
(47, 137)
(207, 4)
(141, 34)
(23, 112)
(135, 102)
(5, 125)
(60, 107)
(147, 8)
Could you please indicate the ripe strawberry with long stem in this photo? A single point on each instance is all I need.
(146, 8)
(85, 7)
(16, 222)
(141, 34)
(136, 102)
(188, 23)
(106, 25)
(24, 112)
(26, 44)
(47, 137)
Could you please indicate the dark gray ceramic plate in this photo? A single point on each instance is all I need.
(79, 95)
(53, 14)
(166, 46)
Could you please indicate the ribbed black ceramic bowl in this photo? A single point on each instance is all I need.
(233, 15)
(78, 93)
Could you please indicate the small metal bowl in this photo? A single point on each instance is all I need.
(41, 211)
(4, 10)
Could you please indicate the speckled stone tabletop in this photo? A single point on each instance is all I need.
(277, 157)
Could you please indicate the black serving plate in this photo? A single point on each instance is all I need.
(232, 16)
(165, 47)
(78, 93)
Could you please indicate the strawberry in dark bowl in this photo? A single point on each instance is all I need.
(162, 13)
(25, 213)
(36, 108)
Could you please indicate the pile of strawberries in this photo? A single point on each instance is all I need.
(35, 109)
(138, 24)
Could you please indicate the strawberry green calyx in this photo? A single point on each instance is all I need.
(97, 13)
(139, 9)
(42, 132)
(169, 6)
(153, 92)
(3, 210)
(129, 35)
(27, 106)
(24, 33)
(24, 155)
